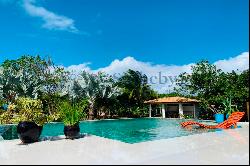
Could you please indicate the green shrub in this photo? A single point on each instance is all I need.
(30, 110)
(139, 112)
(6, 117)
(1, 103)
(71, 113)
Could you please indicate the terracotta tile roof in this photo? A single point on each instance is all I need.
(172, 100)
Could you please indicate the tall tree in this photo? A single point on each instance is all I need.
(212, 86)
(22, 77)
(135, 90)
(31, 76)
(96, 88)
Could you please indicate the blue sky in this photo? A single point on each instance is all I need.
(99, 31)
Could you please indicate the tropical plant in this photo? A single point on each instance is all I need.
(134, 85)
(22, 77)
(30, 76)
(216, 110)
(139, 111)
(30, 110)
(135, 90)
(228, 107)
(95, 88)
(71, 113)
(55, 80)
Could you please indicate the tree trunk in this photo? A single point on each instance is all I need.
(91, 112)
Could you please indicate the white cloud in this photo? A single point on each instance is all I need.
(51, 20)
(78, 68)
(118, 66)
(162, 77)
(240, 62)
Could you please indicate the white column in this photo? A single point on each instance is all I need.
(181, 110)
(163, 111)
(150, 110)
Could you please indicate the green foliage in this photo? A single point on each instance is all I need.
(228, 107)
(6, 117)
(212, 87)
(187, 116)
(33, 77)
(53, 91)
(22, 77)
(51, 105)
(215, 110)
(29, 76)
(99, 89)
(38, 78)
(30, 110)
(138, 112)
(135, 90)
(1, 103)
(173, 94)
(201, 82)
(72, 113)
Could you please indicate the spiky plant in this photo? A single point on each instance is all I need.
(71, 113)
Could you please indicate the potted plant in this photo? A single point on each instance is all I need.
(30, 118)
(228, 107)
(71, 114)
(218, 114)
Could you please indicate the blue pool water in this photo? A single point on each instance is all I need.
(125, 130)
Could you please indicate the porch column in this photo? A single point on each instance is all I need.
(180, 110)
(150, 110)
(163, 111)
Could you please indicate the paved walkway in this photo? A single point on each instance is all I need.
(224, 147)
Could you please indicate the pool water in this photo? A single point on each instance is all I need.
(125, 130)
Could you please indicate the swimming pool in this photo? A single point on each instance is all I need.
(125, 130)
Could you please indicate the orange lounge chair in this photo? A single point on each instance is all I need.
(231, 121)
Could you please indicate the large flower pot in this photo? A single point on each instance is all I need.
(72, 132)
(29, 132)
(219, 118)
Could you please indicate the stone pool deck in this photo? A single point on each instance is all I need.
(224, 147)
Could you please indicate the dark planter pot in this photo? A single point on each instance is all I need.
(29, 132)
(72, 132)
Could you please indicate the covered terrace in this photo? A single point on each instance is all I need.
(173, 107)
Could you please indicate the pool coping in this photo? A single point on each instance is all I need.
(204, 148)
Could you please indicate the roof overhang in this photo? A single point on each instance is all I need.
(172, 100)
